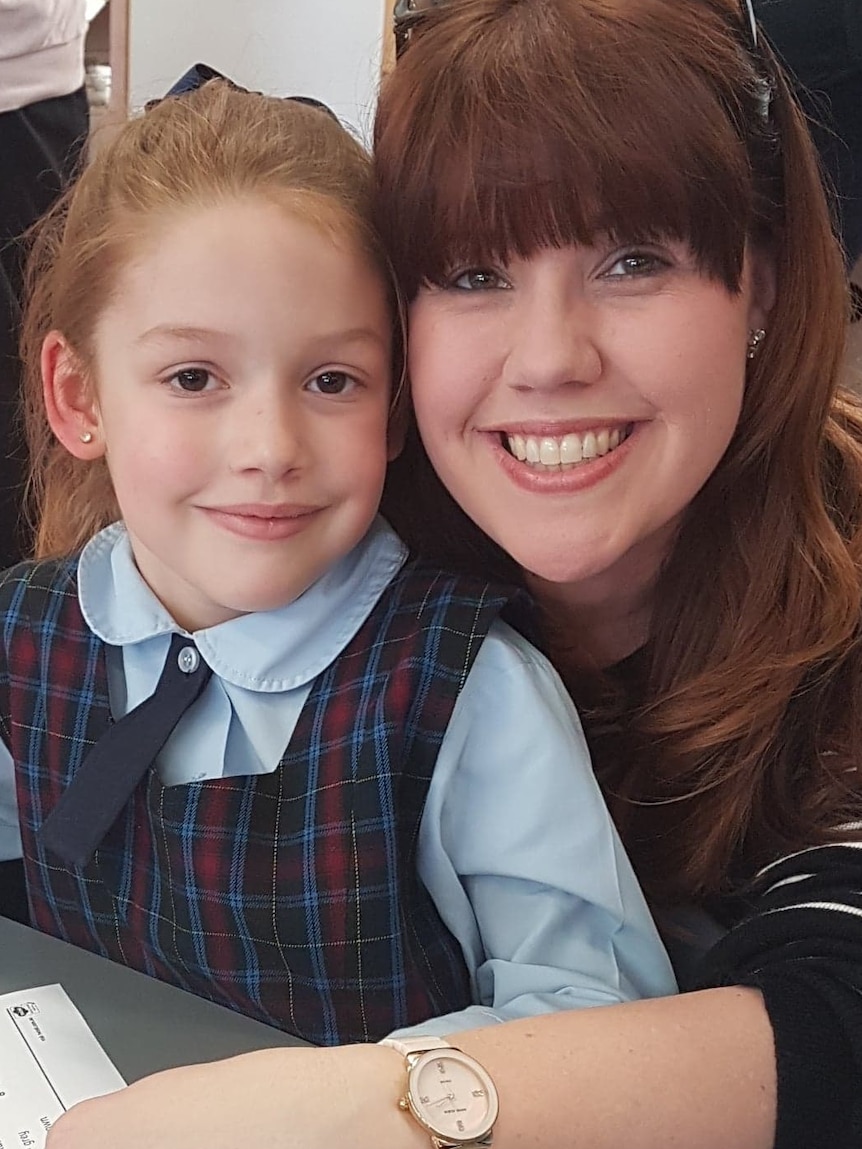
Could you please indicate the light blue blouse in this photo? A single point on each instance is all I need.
(516, 847)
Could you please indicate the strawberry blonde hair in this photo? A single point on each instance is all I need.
(512, 125)
(205, 147)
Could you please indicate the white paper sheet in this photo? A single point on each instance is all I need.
(49, 1060)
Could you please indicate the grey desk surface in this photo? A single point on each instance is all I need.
(143, 1025)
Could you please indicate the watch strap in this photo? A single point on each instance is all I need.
(408, 1045)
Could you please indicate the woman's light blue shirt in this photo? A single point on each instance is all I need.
(516, 846)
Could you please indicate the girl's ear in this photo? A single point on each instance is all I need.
(70, 399)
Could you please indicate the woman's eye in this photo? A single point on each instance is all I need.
(477, 279)
(193, 379)
(635, 263)
(331, 383)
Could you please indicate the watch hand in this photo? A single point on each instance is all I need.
(440, 1100)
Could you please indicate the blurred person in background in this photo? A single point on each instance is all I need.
(821, 45)
(43, 125)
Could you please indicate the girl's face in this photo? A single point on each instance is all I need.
(575, 402)
(242, 397)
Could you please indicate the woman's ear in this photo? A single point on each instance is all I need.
(763, 286)
(70, 399)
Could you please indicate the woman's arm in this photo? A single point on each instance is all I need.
(695, 1071)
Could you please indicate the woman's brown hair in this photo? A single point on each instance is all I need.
(510, 125)
(196, 150)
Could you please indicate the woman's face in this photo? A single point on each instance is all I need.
(576, 401)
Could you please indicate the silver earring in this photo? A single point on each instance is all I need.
(754, 341)
(86, 436)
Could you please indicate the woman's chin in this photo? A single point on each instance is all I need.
(551, 564)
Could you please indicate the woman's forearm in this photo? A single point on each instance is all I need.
(695, 1071)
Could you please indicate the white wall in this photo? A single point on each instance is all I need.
(325, 48)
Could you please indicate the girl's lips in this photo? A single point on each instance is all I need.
(266, 510)
(566, 479)
(260, 522)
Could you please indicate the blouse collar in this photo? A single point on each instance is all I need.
(268, 651)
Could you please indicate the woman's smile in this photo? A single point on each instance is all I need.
(563, 464)
(549, 451)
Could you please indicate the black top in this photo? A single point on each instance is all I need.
(799, 941)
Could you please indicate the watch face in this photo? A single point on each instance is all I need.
(452, 1096)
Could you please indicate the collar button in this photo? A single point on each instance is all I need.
(188, 660)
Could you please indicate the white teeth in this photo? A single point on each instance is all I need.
(551, 451)
(570, 449)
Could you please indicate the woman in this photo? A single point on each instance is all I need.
(597, 208)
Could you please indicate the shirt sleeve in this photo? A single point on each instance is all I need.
(10, 836)
(800, 944)
(520, 856)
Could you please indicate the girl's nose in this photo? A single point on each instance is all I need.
(268, 435)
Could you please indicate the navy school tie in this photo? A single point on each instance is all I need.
(114, 767)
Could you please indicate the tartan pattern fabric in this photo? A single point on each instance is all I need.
(292, 897)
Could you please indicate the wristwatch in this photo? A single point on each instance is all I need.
(448, 1092)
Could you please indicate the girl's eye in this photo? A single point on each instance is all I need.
(331, 383)
(193, 379)
(637, 263)
(477, 279)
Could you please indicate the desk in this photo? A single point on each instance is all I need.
(143, 1025)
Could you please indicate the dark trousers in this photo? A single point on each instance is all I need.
(40, 146)
(13, 895)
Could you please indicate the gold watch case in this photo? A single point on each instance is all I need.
(452, 1097)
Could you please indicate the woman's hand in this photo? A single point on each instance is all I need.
(273, 1099)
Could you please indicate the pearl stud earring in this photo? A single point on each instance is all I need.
(86, 436)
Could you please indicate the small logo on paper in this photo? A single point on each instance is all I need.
(25, 1010)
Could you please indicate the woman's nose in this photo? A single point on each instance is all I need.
(553, 340)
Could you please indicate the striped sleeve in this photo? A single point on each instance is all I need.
(800, 944)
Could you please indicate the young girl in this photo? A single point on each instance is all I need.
(209, 346)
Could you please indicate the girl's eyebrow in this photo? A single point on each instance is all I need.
(191, 334)
(355, 335)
